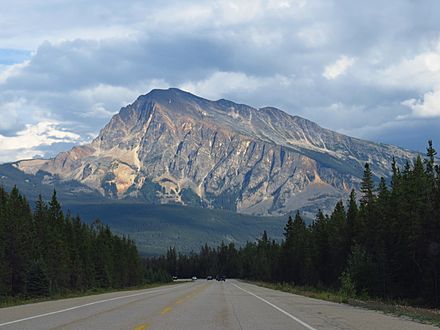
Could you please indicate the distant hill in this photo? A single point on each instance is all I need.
(155, 228)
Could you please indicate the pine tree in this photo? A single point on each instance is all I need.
(320, 249)
(172, 260)
(263, 263)
(288, 229)
(430, 162)
(37, 282)
(4, 266)
(56, 247)
(18, 241)
(352, 231)
(337, 242)
(295, 250)
(40, 223)
(367, 186)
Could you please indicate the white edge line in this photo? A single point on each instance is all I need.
(81, 306)
(277, 308)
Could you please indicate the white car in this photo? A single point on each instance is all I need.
(194, 278)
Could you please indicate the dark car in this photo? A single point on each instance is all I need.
(222, 278)
(209, 278)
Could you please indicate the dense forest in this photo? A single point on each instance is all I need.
(384, 243)
(45, 252)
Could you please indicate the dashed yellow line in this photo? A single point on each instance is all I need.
(166, 310)
(179, 301)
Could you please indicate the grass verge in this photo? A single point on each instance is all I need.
(418, 314)
(23, 300)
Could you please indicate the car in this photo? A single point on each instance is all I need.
(222, 278)
(174, 278)
(209, 278)
(194, 278)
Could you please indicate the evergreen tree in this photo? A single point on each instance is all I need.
(367, 186)
(37, 282)
(320, 249)
(58, 253)
(430, 161)
(295, 250)
(172, 261)
(353, 229)
(4, 265)
(18, 237)
(337, 242)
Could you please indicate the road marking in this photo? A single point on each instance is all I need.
(277, 308)
(183, 299)
(81, 306)
(166, 310)
(142, 326)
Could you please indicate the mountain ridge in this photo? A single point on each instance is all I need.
(170, 146)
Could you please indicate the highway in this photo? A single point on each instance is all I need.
(198, 305)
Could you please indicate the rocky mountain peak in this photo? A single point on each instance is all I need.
(170, 146)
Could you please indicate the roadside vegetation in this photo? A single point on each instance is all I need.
(47, 254)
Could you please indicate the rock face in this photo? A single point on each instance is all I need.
(170, 146)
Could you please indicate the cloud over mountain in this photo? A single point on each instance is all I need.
(330, 61)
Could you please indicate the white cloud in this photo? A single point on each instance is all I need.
(28, 141)
(313, 36)
(10, 113)
(41, 134)
(17, 111)
(420, 72)
(428, 106)
(220, 84)
(11, 70)
(338, 68)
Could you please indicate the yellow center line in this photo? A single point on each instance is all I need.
(191, 294)
(179, 301)
(166, 310)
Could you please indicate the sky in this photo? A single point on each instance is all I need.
(369, 69)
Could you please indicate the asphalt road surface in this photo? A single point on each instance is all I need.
(198, 305)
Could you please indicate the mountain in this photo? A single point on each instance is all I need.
(170, 146)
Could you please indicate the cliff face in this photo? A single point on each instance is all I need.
(172, 146)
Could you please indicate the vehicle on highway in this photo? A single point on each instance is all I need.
(174, 278)
(194, 278)
(220, 278)
(209, 278)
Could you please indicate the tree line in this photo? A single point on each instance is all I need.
(384, 243)
(44, 251)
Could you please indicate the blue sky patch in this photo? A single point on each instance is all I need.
(13, 56)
